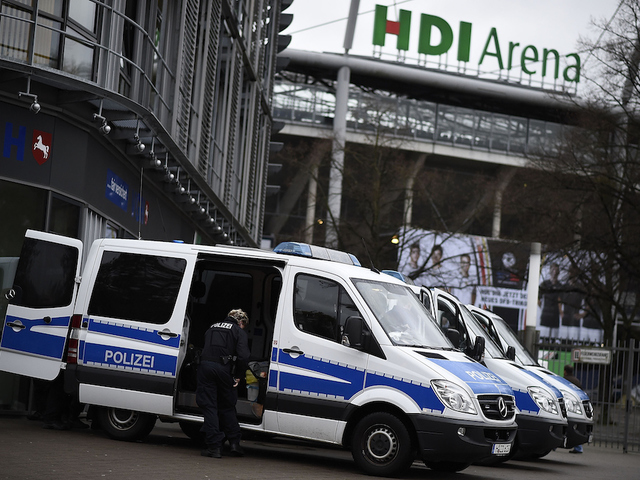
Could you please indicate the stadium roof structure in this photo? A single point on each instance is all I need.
(510, 97)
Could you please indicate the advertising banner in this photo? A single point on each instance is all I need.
(492, 273)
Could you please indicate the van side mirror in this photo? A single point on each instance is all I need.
(478, 349)
(355, 334)
(511, 352)
(454, 336)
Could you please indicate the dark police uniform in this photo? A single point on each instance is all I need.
(216, 395)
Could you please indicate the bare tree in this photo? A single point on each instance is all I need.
(585, 193)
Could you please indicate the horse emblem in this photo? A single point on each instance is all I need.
(41, 146)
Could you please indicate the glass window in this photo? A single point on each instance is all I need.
(321, 306)
(137, 287)
(46, 274)
(78, 59)
(84, 13)
(47, 43)
(401, 314)
(14, 34)
(64, 218)
(21, 208)
(54, 7)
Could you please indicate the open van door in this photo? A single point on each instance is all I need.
(41, 303)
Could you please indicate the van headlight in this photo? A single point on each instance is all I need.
(573, 404)
(544, 399)
(453, 396)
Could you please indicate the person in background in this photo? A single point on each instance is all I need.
(224, 356)
(568, 374)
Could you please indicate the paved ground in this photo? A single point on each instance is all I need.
(29, 452)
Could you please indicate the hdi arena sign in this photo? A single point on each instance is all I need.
(529, 58)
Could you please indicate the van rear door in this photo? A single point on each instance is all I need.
(41, 302)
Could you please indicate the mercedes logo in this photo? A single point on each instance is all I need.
(502, 407)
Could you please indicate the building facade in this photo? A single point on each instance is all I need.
(135, 118)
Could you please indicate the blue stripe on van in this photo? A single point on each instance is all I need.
(423, 395)
(554, 391)
(343, 382)
(525, 403)
(582, 395)
(129, 359)
(148, 335)
(347, 381)
(479, 378)
(38, 343)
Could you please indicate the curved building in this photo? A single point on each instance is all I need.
(134, 118)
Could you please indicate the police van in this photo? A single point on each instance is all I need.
(353, 358)
(577, 403)
(541, 412)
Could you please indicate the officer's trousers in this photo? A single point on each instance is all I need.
(217, 398)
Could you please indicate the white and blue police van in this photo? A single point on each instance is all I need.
(354, 359)
(541, 414)
(577, 402)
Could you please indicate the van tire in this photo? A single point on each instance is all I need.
(129, 425)
(381, 445)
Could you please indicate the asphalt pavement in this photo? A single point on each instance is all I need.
(27, 451)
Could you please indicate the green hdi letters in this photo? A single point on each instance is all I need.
(527, 57)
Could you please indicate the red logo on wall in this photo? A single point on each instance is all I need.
(41, 147)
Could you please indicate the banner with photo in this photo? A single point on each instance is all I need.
(485, 272)
(565, 309)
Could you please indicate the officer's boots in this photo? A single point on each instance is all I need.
(211, 451)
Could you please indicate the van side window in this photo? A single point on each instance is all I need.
(321, 307)
(137, 287)
(45, 275)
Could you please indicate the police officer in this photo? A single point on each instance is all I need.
(224, 357)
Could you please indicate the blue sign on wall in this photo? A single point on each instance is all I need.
(117, 190)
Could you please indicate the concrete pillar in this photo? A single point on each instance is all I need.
(311, 205)
(530, 332)
(337, 156)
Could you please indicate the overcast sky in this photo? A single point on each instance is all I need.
(551, 24)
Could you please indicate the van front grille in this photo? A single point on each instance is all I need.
(497, 407)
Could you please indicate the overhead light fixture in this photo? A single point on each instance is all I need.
(180, 189)
(154, 161)
(35, 106)
(136, 138)
(104, 127)
(168, 174)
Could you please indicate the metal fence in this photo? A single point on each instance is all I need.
(613, 387)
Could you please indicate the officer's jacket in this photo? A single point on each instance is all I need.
(224, 340)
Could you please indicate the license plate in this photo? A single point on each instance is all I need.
(501, 448)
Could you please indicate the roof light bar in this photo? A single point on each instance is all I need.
(313, 251)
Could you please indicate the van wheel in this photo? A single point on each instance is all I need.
(381, 445)
(124, 424)
(192, 430)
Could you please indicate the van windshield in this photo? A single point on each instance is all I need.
(475, 328)
(523, 357)
(405, 320)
